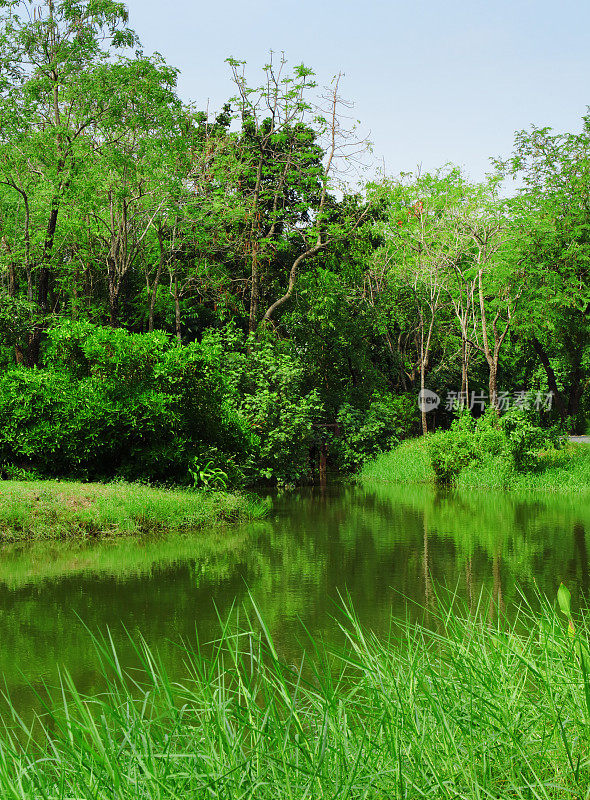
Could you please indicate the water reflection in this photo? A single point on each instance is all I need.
(384, 546)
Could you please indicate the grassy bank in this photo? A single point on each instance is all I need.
(59, 509)
(474, 709)
(407, 463)
(566, 471)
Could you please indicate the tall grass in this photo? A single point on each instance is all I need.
(60, 509)
(461, 708)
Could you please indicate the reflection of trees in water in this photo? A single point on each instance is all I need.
(469, 581)
(428, 598)
(502, 541)
(384, 547)
(497, 601)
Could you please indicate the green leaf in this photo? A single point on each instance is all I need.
(564, 600)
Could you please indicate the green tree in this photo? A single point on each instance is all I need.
(288, 148)
(56, 92)
(422, 245)
(553, 207)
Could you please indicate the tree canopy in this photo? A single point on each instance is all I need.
(179, 284)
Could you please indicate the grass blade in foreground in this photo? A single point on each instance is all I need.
(461, 709)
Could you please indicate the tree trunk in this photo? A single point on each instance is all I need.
(12, 280)
(575, 392)
(114, 307)
(254, 292)
(292, 280)
(28, 355)
(44, 271)
(464, 370)
(423, 386)
(551, 380)
(156, 282)
(493, 382)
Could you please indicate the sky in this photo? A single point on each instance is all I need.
(432, 81)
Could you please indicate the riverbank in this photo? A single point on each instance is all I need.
(61, 509)
(566, 471)
(463, 707)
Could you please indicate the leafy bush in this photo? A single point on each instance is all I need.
(10, 472)
(365, 433)
(112, 403)
(269, 396)
(108, 403)
(490, 439)
(18, 317)
(450, 451)
(526, 441)
(513, 442)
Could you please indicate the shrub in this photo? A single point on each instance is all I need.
(450, 451)
(10, 472)
(512, 443)
(269, 396)
(526, 441)
(111, 403)
(365, 433)
(489, 437)
(108, 403)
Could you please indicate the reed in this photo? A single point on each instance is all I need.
(458, 707)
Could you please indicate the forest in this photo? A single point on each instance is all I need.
(187, 293)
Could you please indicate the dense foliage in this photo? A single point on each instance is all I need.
(186, 294)
(513, 443)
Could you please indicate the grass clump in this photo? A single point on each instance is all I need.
(462, 708)
(60, 509)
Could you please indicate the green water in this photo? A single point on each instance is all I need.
(385, 546)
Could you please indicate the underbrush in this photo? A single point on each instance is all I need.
(462, 708)
(226, 410)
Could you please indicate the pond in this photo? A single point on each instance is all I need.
(384, 546)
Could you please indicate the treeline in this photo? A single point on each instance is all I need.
(182, 289)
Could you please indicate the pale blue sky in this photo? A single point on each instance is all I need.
(431, 81)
